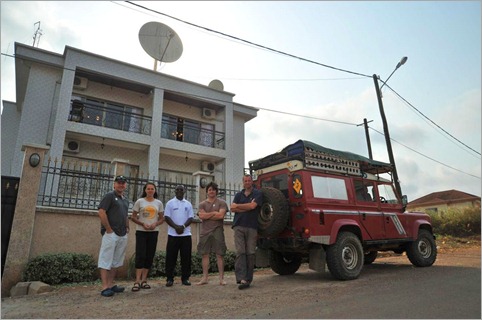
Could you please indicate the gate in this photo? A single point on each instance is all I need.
(9, 200)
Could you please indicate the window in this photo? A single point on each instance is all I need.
(169, 127)
(113, 116)
(191, 131)
(387, 194)
(175, 128)
(109, 115)
(331, 188)
(206, 137)
(279, 182)
(93, 112)
(364, 191)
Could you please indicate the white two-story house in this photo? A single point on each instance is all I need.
(90, 109)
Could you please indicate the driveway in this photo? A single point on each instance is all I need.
(389, 288)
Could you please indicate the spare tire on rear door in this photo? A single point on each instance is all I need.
(274, 212)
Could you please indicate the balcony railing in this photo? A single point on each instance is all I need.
(114, 117)
(191, 132)
(109, 117)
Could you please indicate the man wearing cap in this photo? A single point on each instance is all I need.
(113, 210)
(178, 215)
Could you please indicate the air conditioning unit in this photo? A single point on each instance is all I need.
(209, 114)
(80, 83)
(207, 166)
(72, 146)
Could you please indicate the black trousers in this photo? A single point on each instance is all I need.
(175, 245)
(146, 243)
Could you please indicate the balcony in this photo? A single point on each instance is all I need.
(130, 119)
(110, 116)
(189, 131)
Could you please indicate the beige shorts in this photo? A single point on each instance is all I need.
(212, 242)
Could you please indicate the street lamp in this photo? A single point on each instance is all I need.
(385, 126)
(401, 63)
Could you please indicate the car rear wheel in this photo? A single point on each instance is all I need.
(284, 263)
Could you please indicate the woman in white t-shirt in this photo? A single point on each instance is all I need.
(148, 214)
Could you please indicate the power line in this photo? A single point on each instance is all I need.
(286, 113)
(249, 42)
(423, 155)
(309, 117)
(420, 112)
(297, 57)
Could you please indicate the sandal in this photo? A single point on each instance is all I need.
(136, 287)
(144, 285)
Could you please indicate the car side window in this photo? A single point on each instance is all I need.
(364, 191)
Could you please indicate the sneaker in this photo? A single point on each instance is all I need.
(107, 292)
(117, 289)
(186, 282)
(169, 283)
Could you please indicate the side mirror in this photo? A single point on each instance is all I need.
(404, 200)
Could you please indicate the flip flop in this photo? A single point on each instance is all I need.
(136, 287)
(144, 285)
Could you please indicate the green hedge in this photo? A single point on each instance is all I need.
(56, 268)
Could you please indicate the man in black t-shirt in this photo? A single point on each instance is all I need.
(113, 214)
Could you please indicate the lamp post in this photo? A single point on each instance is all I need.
(385, 126)
(401, 63)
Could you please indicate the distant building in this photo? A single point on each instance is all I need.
(93, 109)
(443, 200)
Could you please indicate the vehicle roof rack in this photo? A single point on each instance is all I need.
(318, 157)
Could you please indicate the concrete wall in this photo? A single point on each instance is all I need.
(68, 230)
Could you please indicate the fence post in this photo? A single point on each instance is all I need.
(23, 224)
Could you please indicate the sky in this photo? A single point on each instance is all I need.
(308, 67)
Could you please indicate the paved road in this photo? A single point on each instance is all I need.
(393, 288)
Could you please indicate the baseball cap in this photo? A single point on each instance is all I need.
(120, 179)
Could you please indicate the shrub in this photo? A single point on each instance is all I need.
(56, 268)
(457, 222)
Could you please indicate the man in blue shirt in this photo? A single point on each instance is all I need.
(246, 207)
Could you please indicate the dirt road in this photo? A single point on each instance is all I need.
(307, 294)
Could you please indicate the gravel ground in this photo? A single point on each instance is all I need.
(207, 301)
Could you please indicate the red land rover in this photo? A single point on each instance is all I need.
(335, 208)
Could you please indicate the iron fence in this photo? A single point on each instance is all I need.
(82, 185)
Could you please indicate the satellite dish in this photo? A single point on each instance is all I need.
(160, 42)
(216, 84)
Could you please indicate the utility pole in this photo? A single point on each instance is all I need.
(367, 135)
(387, 137)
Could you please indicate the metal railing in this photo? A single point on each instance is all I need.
(66, 184)
(109, 117)
(190, 132)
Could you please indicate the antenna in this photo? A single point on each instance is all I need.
(38, 33)
(160, 42)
